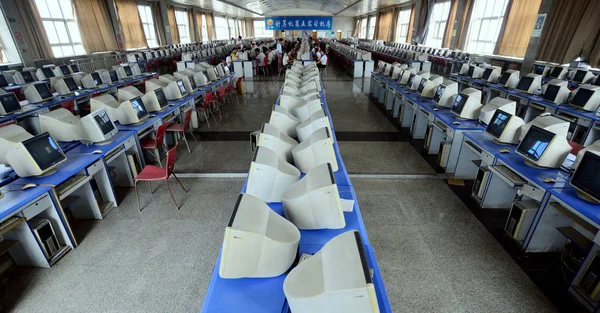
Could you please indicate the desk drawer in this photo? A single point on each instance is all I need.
(95, 168)
(37, 206)
(487, 158)
(129, 143)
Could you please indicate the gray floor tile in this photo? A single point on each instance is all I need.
(382, 157)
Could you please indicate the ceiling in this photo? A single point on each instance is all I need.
(260, 8)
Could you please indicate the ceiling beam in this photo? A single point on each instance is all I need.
(346, 8)
(239, 7)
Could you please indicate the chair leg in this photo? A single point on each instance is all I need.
(206, 118)
(172, 197)
(179, 182)
(186, 142)
(158, 156)
(137, 196)
(192, 133)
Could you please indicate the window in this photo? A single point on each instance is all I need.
(437, 24)
(148, 25)
(363, 28)
(402, 26)
(484, 28)
(232, 30)
(183, 25)
(61, 27)
(371, 33)
(241, 30)
(8, 50)
(221, 28)
(204, 28)
(259, 29)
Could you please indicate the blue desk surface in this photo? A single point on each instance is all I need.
(75, 162)
(569, 196)
(536, 175)
(449, 118)
(14, 198)
(487, 143)
(117, 140)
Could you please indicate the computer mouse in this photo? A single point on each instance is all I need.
(436, 109)
(151, 115)
(456, 123)
(504, 151)
(97, 151)
(171, 105)
(27, 186)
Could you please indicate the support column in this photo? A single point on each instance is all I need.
(165, 17)
(114, 18)
(534, 42)
(195, 26)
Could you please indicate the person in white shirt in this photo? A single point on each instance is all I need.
(260, 57)
(286, 59)
(239, 42)
(322, 63)
(280, 46)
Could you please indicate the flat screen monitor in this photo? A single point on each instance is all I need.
(75, 68)
(44, 150)
(70, 82)
(498, 123)
(96, 78)
(579, 76)
(581, 97)
(181, 87)
(139, 108)
(422, 85)
(160, 96)
(587, 176)
(104, 122)
(43, 90)
(459, 103)
(9, 102)
(438, 93)
(3, 82)
(535, 142)
(504, 78)
(65, 70)
(524, 83)
(27, 77)
(487, 73)
(538, 69)
(47, 72)
(551, 92)
(113, 76)
(556, 72)
(127, 69)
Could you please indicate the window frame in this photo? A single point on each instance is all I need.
(183, 27)
(217, 27)
(401, 33)
(65, 21)
(264, 32)
(204, 28)
(371, 29)
(149, 23)
(437, 28)
(472, 44)
(362, 32)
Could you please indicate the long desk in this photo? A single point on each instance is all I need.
(266, 294)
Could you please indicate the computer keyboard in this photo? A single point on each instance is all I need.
(8, 223)
(508, 173)
(69, 183)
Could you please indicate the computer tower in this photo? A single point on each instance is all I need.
(443, 153)
(44, 234)
(520, 217)
(590, 280)
(481, 181)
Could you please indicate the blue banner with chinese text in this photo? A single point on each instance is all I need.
(298, 22)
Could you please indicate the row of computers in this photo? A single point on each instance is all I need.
(188, 52)
(351, 52)
(419, 53)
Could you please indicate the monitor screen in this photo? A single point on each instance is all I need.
(525, 83)
(104, 122)
(27, 76)
(70, 82)
(96, 78)
(597, 80)
(216, 71)
(410, 79)
(504, 78)
(555, 72)
(538, 69)
(487, 73)
(581, 97)
(160, 96)
(192, 82)
(75, 68)
(438, 93)
(498, 123)
(138, 107)
(4, 68)
(3, 82)
(579, 76)
(47, 72)
(43, 90)
(65, 70)
(422, 84)
(181, 87)
(144, 56)
(471, 69)
(551, 92)
(587, 176)
(44, 151)
(10, 103)
(535, 142)
(113, 76)
(459, 103)
(127, 70)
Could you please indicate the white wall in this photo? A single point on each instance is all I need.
(345, 24)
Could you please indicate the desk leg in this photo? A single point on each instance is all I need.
(397, 105)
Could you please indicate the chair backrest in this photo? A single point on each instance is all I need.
(265, 61)
(171, 156)
(160, 133)
(187, 118)
(221, 91)
(239, 81)
(69, 105)
(575, 147)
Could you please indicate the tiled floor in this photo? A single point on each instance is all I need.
(434, 254)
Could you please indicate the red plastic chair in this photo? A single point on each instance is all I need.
(152, 173)
(154, 144)
(264, 66)
(575, 147)
(183, 128)
(213, 102)
(232, 88)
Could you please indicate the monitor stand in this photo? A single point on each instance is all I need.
(498, 142)
(48, 172)
(587, 198)
(529, 163)
(99, 143)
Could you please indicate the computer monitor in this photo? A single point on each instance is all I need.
(155, 100)
(492, 74)
(258, 242)
(128, 92)
(173, 90)
(464, 69)
(530, 83)
(123, 72)
(587, 97)
(498, 103)
(44, 73)
(74, 68)
(586, 179)
(314, 151)
(90, 81)
(509, 79)
(475, 71)
(582, 76)
(335, 279)
(107, 102)
(270, 175)
(188, 81)
(558, 72)
(557, 93)
(445, 94)
(428, 87)
(36, 156)
(540, 69)
(24, 77)
(97, 128)
(61, 124)
(62, 70)
(467, 104)
(220, 70)
(504, 127)
(3, 82)
(132, 111)
(65, 86)
(109, 77)
(37, 92)
(9, 103)
(273, 139)
(547, 122)
(594, 147)
(406, 75)
(542, 148)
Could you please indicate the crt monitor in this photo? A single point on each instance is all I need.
(539, 69)
(551, 93)
(582, 76)
(558, 72)
(487, 72)
(38, 92)
(498, 103)
(128, 71)
(543, 148)
(48, 72)
(36, 156)
(97, 127)
(96, 78)
(530, 83)
(9, 103)
(27, 77)
(155, 100)
(74, 68)
(467, 104)
(132, 111)
(66, 86)
(422, 85)
(3, 82)
(65, 70)
(411, 78)
(587, 97)
(509, 79)
(586, 178)
(113, 76)
(504, 127)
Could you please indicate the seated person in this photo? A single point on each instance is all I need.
(286, 59)
(322, 63)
